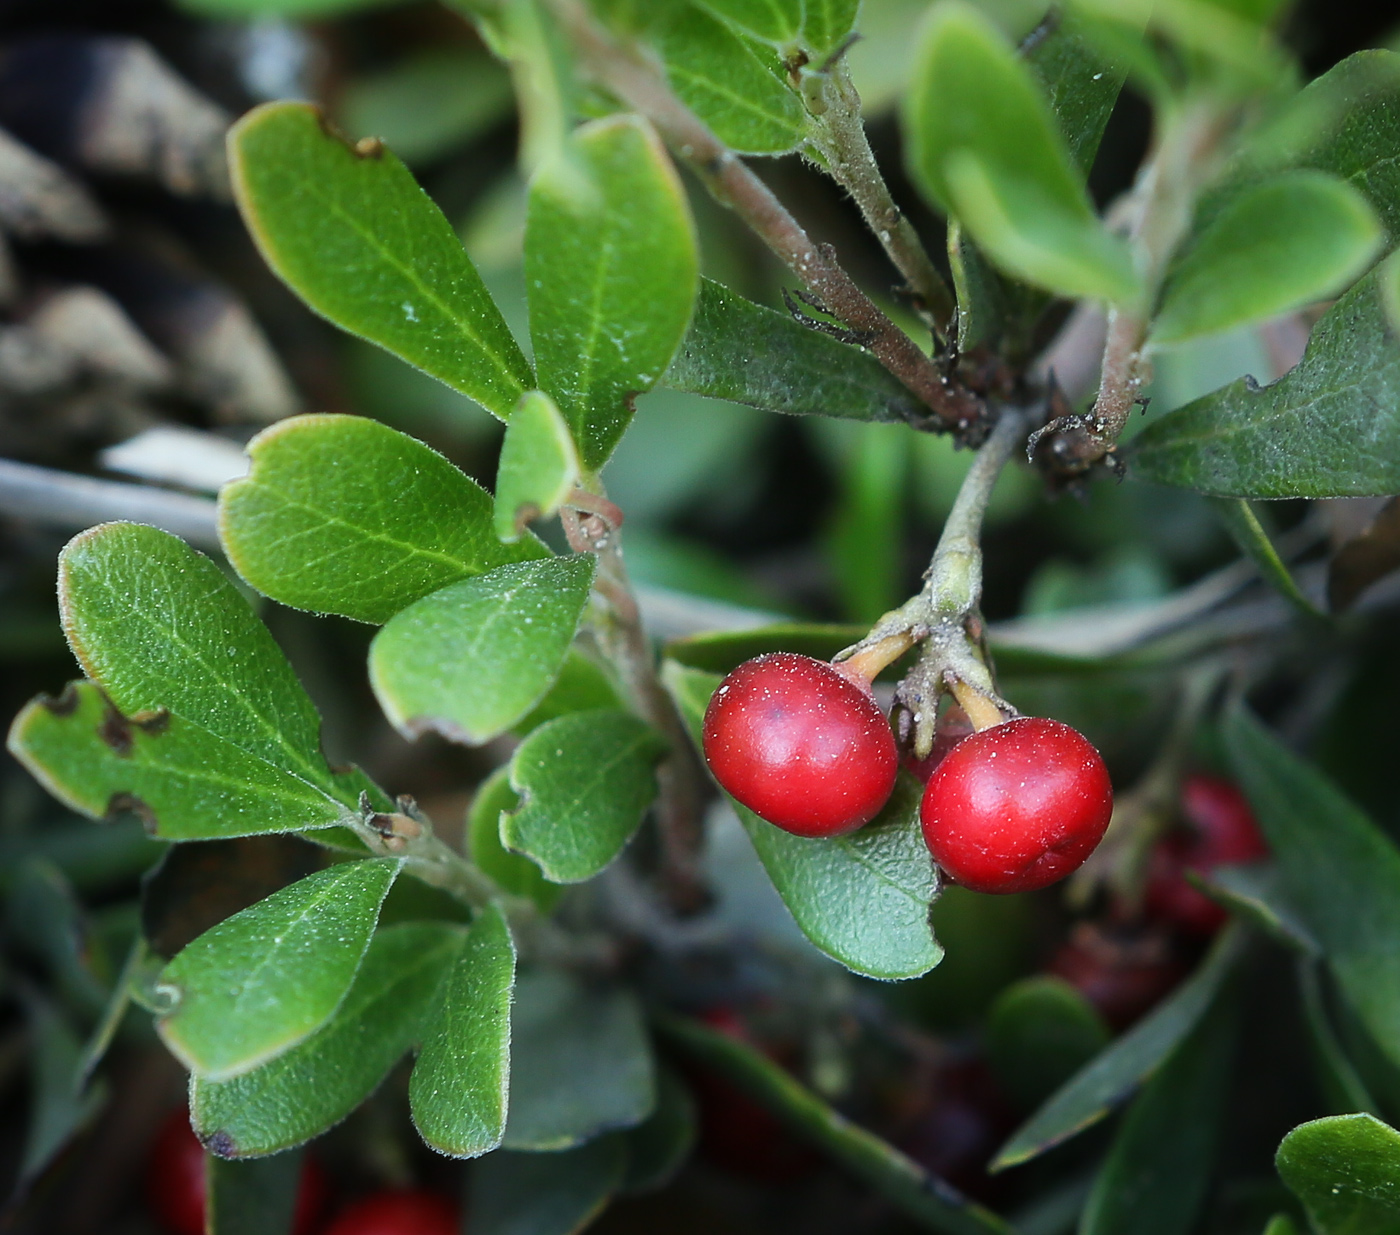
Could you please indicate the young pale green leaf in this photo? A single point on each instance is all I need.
(319, 1082)
(349, 230)
(1040, 1032)
(984, 146)
(340, 514)
(612, 275)
(1248, 533)
(746, 353)
(1031, 237)
(1104, 1082)
(775, 21)
(1159, 1167)
(161, 630)
(473, 658)
(863, 899)
(539, 466)
(1340, 871)
(184, 782)
(826, 24)
(546, 1194)
(1346, 1171)
(1278, 245)
(584, 781)
(252, 1198)
(731, 82)
(1328, 428)
(458, 1088)
(516, 874)
(270, 976)
(580, 1062)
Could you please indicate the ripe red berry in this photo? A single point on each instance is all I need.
(402, 1212)
(1219, 830)
(175, 1187)
(801, 744)
(1016, 806)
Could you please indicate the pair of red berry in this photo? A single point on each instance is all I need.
(175, 1191)
(803, 744)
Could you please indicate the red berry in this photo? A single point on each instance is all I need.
(1220, 830)
(404, 1212)
(801, 744)
(1122, 970)
(1016, 806)
(175, 1188)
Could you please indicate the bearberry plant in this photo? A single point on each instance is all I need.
(532, 969)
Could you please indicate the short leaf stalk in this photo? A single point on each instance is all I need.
(944, 615)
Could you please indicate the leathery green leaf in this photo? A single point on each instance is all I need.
(1276, 246)
(1346, 1171)
(612, 272)
(162, 630)
(1107, 1079)
(1248, 533)
(863, 899)
(458, 1088)
(473, 658)
(1158, 1170)
(252, 1198)
(341, 514)
(511, 871)
(318, 1083)
(1339, 871)
(539, 466)
(584, 781)
(580, 1062)
(270, 976)
(1330, 427)
(349, 230)
(184, 782)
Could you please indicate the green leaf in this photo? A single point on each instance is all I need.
(580, 1062)
(1040, 1032)
(1101, 1084)
(340, 514)
(1278, 245)
(183, 781)
(776, 21)
(473, 658)
(1328, 428)
(584, 781)
(318, 1083)
(516, 874)
(612, 271)
(582, 683)
(545, 1194)
(1346, 1170)
(722, 650)
(658, 1146)
(458, 1088)
(1340, 872)
(270, 976)
(1281, 1224)
(1248, 533)
(1080, 85)
(731, 82)
(863, 899)
(1155, 1177)
(827, 23)
(59, 1109)
(539, 466)
(162, 631)
(351, 233)
(252, 1198)
(746, 353)
(985, 147)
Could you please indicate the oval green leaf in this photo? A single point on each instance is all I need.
(458, 1088)
(349, 230)
(270, 976)
(539, 466)
(584, 781)
(512, 872)
(612, 271)
(1276, 246)
(340, 514)
(1346, 1171)
(473, 658)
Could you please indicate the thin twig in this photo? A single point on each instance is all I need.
(839, 136)
(637, 82)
